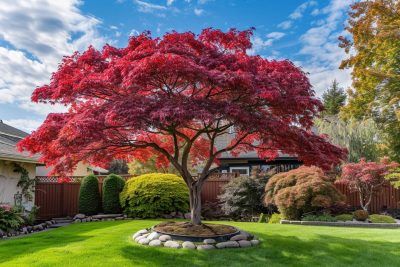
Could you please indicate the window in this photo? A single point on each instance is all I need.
(240, 170)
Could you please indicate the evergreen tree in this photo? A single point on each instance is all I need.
(118, 166)
(334, 98)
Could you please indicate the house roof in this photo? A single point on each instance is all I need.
(10, 131)
(224, 140)
(9, 137)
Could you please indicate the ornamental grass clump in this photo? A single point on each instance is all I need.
(153, 195)
(301, 191)
(89, 196)
(112, 187)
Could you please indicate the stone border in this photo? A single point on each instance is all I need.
(218, 238)
(149, 237)
(27, 230)
(345, 224)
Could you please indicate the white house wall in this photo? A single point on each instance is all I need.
(9, 180)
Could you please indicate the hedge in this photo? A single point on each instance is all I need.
(112, 187)
(153, 195)
(89, 195)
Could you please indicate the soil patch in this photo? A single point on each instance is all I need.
(188, 229)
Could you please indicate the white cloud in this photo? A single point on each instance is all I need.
(299, 11)
(198, 11)
(259, 44)
(146, 7)
(275, 35)
(170, 2)
(134, 32)
(320, 46)
(285, 24)
(37, 35)
(296, 14)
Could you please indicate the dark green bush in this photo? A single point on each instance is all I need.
(275, 218)
(360, 215)
(242, 196)
(112, 187)
(153, 195)
(10, 218)
(377, 218)
(344, 217)
(89, 196)
(319, 218)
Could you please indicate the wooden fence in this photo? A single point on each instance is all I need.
(60, 200)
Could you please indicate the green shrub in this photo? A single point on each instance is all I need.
(31, 216)
(112, 187)
(319, 218)
(302, 191)
(10, 218)
(275, 218)
(89, 196)
(360, 215)
(262, 218)
(377, 218)
(154, 194)
(242, 196)
(344, 217)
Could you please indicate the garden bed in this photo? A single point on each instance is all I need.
(344, 224)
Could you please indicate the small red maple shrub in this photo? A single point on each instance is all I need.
(172, 98)
(300, 191)
(366, 178)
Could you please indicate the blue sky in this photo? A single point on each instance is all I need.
(34, 35)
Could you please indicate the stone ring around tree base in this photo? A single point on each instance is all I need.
(152, 238)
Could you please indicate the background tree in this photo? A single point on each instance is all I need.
(333, 99)
(118, 166)
(374, 50)
(171, 97)
(366, 178)
(362, 138)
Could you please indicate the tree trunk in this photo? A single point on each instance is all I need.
(195, 203)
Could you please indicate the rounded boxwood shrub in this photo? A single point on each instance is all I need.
(302, 191)
(360, 215)
(89, 196)
(154, 194)
(377, 218)
(112, 187)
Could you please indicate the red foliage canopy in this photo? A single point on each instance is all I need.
(173, 96)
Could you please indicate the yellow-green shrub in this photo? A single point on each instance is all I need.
(376, 218)
(344, 217)
(154, 194)
(275, 218)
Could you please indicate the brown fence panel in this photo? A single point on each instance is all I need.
(387, 198)
(60, 200)
(48, 199)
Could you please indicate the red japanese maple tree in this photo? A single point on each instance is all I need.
(173, 97)
(366, 178)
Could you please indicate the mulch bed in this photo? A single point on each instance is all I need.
(187, 228)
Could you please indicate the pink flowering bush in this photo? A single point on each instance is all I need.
(9, 218)
(366, 178)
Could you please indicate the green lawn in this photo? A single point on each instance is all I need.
(110, 244)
